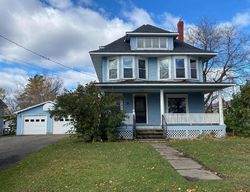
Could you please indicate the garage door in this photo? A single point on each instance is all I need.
(35, 125)
(61, 126)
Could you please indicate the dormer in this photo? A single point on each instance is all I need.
(148, 37)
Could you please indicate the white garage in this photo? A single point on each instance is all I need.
(62, 126)
(35, 125)
(36, 120)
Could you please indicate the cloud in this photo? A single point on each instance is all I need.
(138, 16)
(241, 19)
(169, 21)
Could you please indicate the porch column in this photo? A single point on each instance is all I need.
(161, 103)
(220, 107)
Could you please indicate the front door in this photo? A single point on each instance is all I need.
(140, 109)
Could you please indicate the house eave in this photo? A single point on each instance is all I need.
(152, 34)
(33, 106)
(153, 53)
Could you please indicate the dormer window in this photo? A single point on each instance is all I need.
(128, 67)
(152, 43)
(113, 68)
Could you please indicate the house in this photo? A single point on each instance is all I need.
(160, 78)
(36, 120)
(3, 106)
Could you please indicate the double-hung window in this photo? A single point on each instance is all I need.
(152, 43)
(193, 69)
(128, 66)
(113, 68)
(180, 68)
(142, 71)
(164, 68)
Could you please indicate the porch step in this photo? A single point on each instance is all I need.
(149, 134)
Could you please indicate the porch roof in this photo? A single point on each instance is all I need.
(167, 86)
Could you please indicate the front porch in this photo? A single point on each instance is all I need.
(176, 109)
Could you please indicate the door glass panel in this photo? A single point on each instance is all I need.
(140, 109)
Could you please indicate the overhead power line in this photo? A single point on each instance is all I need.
(38, 54)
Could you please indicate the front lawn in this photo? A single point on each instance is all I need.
(126, 166)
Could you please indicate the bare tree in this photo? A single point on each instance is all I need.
(39, 89)
(2, 93)
(232, 45)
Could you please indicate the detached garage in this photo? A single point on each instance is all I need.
(36, 120)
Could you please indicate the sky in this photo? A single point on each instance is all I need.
(66, 30)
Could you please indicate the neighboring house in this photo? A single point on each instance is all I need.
(160, 78)
(3, 106)
(36, 120)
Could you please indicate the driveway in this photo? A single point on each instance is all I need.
(13, 149)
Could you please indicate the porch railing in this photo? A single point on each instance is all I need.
(192, 118)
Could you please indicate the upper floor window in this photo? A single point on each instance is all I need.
(128, 66)
(152, 42)
(164, 68)
(142, 71)
(113, 68)
(193, 69)
(180, 68)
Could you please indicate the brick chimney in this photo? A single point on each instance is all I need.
(180, 27)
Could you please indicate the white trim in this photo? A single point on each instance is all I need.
(146, 67)
(197, 68)
(185, 67)
(143, 53)
(133, 67)
(173, 96)
(33, 106)
(146, 96)
(169, 68)
(118, 66)
(156, 34)
(162, 105)
(169, 85)
(220, 107)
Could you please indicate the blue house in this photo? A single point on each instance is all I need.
(160, 78)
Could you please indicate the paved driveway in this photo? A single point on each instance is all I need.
(13, 149)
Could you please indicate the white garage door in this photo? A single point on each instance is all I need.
(61, 126)
(35, 125)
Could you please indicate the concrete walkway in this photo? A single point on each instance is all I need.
(186, 167)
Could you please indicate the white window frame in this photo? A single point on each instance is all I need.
(158, 68)
(146, 67)
(197, 69)
(133, 67)
(151, 48)
(185, 67)
(108, 64)
(173, 96)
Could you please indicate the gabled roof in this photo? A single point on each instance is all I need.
(145, 29)
(33, 106)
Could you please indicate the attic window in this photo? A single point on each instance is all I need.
(151, 42)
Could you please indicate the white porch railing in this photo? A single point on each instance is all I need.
(192, 118)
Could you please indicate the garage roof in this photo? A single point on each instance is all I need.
(37, 105)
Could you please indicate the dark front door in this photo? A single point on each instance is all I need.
(140, 109)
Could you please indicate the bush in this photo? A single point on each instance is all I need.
(95, 115)
(237, 117)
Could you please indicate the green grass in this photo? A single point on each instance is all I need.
(126, 166)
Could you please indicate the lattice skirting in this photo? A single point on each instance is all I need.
(125, 133)
(184, 132)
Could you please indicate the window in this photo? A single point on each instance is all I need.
(152, 42)
(142, 68)
(163, 42)
(177, 105)
(113, 68)
(26, 120)
(140, 42)
(127, 67)
(37, 120)
(155, 42)
(42, 120)
(32, 120)
(180, 68)
(193, 68)
(164, 68)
